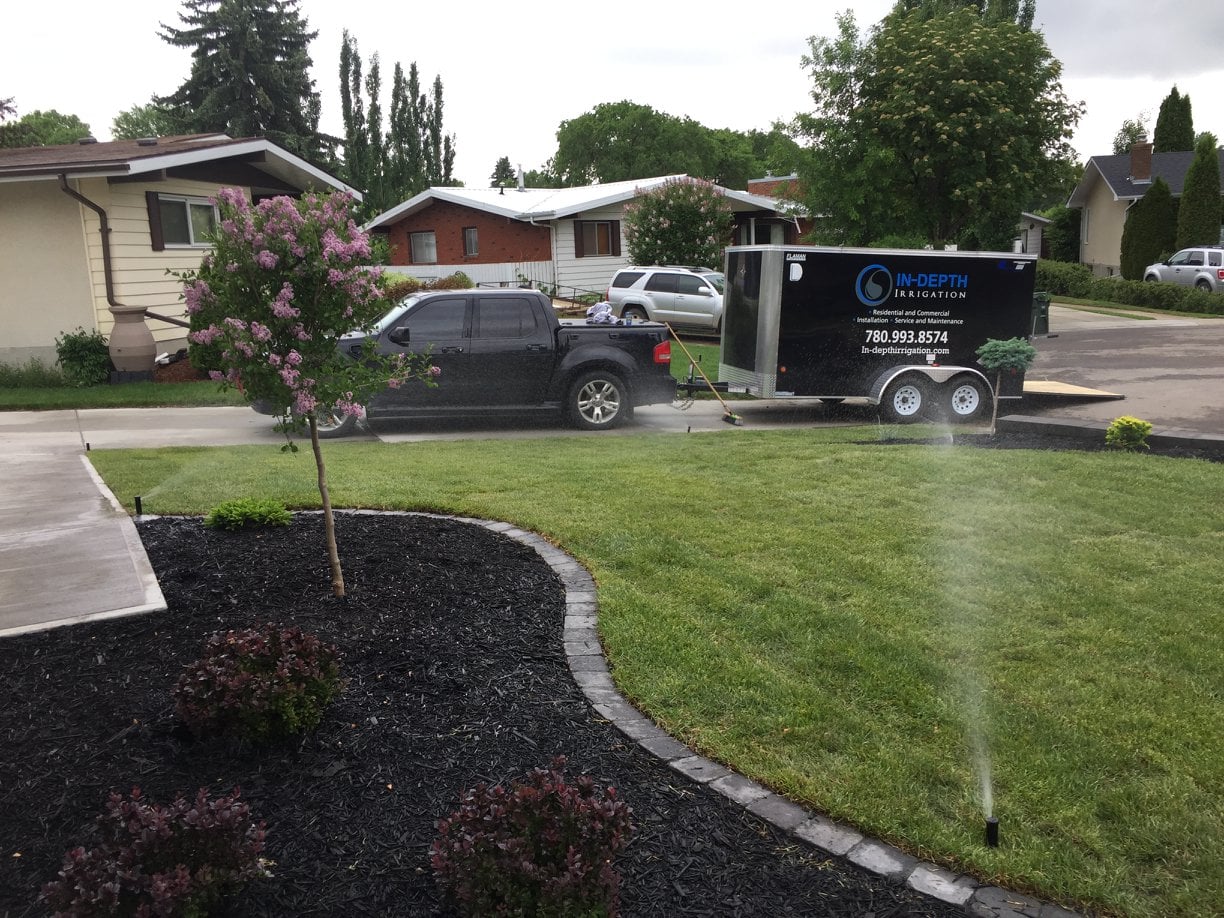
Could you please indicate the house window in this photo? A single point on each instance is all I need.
(424, 248)
(596, 237)
(180, 221)
(469, 241)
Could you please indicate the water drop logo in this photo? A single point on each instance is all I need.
(874, 285)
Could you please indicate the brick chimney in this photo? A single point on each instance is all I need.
(1141, 162)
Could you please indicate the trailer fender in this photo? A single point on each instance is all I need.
(938, 376)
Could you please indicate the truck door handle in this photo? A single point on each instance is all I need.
(536, 347)
(451, 350)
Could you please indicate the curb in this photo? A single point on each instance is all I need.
(590, 670)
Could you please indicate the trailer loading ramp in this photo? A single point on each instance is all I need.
(1044, 388)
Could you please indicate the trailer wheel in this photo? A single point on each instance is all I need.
(905, 400)
(967, 399)
(598, 400)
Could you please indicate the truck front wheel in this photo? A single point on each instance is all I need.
(333, 423)
(598, 400)
(967, 399)
(905, 400)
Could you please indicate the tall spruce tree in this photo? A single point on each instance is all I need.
(503, 173)
(1198, 217)
(1174, 125)
(250, 72)
(1150, 231)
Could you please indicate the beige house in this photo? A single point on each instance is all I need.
(1108, 188)
(88, 231)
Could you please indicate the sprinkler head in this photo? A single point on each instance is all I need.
(139, 508)
(992, 831)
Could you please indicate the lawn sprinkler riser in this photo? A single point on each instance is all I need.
(992, 831)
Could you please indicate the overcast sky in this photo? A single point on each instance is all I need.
(511, 72)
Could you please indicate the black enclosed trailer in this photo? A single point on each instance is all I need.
(899, 327)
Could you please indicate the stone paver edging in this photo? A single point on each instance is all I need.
(590, 671)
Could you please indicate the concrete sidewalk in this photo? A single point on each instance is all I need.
(69, 552)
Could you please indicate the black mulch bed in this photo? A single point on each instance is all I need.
(451, 637)
(1183, 449)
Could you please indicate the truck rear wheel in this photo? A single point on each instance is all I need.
(905, 400)
(967, 398)
(598, 400)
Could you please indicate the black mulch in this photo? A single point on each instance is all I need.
(451, 637)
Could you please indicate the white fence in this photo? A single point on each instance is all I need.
(506, 274)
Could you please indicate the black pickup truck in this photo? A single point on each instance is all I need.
(503, 351)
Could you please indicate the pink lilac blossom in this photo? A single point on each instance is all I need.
(282, 306)
(260, 332)
(267, 260)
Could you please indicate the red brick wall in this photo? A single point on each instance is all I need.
(499, 239)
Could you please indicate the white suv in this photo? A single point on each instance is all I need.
(1201, 266)
(682, 296)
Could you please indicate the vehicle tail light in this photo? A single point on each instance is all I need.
(1220, 274)
(662, 352)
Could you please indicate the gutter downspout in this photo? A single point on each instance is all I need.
(132, 348)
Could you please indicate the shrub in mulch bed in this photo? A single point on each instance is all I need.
(258, 684)
(543, 847)
(153, 859)
(451, 637)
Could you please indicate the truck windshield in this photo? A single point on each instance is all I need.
(394, 313)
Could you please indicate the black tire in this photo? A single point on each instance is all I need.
(906, 400)
(966, 399)
(1204, 285)
(598, 400)
(334, 424)
(1151, 279)
(636, 313)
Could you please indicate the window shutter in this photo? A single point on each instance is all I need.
(155, 224)
(578, 250)
(615, 237)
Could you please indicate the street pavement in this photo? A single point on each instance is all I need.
(69, 553)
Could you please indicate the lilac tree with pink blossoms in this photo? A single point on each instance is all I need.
(285, 280)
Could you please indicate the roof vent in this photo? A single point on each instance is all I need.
(147, 142)
(85, 141)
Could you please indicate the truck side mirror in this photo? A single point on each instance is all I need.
(399, 335)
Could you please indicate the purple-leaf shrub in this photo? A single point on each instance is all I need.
(268, 305)
(258, 684)
(156, 860)
(543, 847)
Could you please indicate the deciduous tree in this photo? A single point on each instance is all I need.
(944, 125)
(1130, 133)
(683, 222)
(250, 72)
(284, 281)
(43, 129)
(148, 120)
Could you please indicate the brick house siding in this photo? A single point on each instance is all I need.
(499, 239)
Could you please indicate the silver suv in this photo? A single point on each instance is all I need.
(683, 296)
(1201, 266)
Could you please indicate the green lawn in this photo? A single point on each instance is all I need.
(860, 624)
(125, 395)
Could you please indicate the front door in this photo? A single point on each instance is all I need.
(440, 328)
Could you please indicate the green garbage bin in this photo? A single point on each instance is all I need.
(1041, 314)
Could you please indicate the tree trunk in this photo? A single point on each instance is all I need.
(994, 404)
(329, 523)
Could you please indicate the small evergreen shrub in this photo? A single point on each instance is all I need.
(83, 357)
(456, 281)
(1128, 433)
(258, 684)
(247, 513)
(544, 847)
(159, 860)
